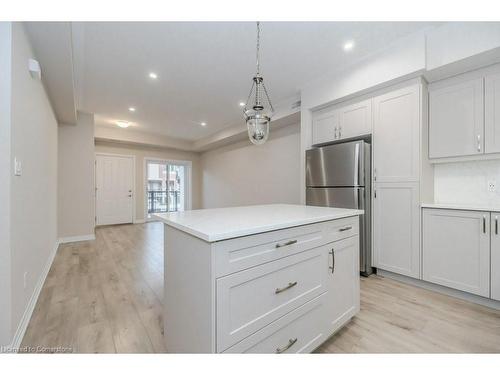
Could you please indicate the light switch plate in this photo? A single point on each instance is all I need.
(18, 168)
(492, 186)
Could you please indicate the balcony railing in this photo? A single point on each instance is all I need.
(163, 201)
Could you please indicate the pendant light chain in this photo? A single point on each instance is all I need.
(258, 47)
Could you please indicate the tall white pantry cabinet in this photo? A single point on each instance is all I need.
(396, 118)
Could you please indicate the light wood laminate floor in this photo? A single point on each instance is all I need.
(106, 296)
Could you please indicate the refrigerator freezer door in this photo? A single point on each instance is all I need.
(340, 197)
(336, 165)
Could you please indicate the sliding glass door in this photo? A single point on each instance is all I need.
(166, 186)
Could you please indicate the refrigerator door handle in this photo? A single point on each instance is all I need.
(356, 164)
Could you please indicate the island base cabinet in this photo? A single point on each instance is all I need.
(495, 256)
(342, 283)
(456, 249)
(281, 291)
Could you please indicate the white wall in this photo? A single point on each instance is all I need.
(457, 41)
(76, 202)
(244, 174)
(140, 153)
(467, 183)
(5, 261)
(33, 195)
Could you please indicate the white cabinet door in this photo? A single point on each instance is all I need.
(492, 114)
(342, 300)
(495, 256)
(114, 189)
(396, 224)
(396, 132)
(456, 249)
(325, 127)
(355, 120)
(456, 118)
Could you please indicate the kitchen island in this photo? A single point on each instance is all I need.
(260, 279)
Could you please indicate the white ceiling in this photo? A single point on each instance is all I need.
(205, 68)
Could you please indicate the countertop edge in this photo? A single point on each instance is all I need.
(452, 206)
(242, 233)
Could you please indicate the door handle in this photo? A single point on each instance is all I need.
(290, 285)
(332, 253)
(374, 174)
(496, 224)
(288, 243)
(479, 143)
(484, 224)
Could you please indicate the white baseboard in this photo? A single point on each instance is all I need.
(139, 221)
(87, 237)
(23, 324)
(441, 289)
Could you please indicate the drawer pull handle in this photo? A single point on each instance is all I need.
(287, 346)
(345, 228)
(290, 285)
(332, 253)
(288, 243)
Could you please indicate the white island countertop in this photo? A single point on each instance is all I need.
(217, 224)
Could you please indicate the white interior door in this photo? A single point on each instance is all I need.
(114, 189)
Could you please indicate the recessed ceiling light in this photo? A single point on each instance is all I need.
(123, 124)
(348, 45)
(242, 104)
(131, 109)
(203, 124)
(153, 75)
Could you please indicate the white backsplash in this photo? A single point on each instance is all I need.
(467, 183)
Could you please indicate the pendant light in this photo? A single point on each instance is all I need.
(258, 116)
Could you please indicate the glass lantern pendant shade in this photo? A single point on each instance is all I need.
(258, 108)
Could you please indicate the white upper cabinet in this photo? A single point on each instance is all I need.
(492, 113)
(495, 256)
(325, 127)
(456, 118)
(396, 228)
(342, 122)
(396, 135)
(355, 120)
(456, 249)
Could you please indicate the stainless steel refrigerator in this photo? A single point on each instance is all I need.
(339, 175)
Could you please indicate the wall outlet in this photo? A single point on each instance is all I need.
(25, 279)
(492, 186)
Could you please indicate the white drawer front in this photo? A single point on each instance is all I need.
(300, 331)
(245, 252)
(340, 229)
(251, 299)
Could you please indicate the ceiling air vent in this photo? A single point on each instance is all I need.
(296, 104)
